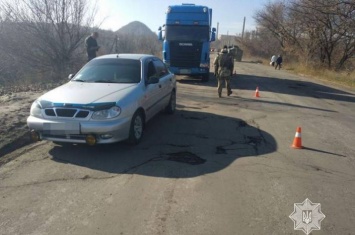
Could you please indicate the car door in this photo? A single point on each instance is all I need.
(152, 91)
(165, 81)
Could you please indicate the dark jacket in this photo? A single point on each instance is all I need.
(279, 60)
(91, 47)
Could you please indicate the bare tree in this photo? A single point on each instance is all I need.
(47, 35)
(328, 25)
(321, 29)
(261, 43)
(346, 13)
(130, 41)
(273, 18)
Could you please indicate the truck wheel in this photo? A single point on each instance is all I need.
(136, 129)
(206, 77)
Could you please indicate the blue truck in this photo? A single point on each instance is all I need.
(186, 40)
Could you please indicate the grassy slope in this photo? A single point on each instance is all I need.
(338, 78)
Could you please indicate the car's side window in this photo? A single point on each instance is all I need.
(151, 70)
(161, 68)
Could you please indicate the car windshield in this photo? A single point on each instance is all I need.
(110, 71)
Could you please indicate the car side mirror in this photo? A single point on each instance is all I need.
(160, 35)
(213, 35)
(71, 76)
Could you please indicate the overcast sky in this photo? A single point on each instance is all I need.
(229, 13)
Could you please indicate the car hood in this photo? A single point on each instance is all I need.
(86, 93)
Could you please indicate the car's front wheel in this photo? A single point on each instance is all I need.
(137, 128)
(170, 109)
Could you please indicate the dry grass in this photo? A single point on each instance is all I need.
(346, 79)
(340, 78)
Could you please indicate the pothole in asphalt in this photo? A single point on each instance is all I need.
(186, 157)
(221, 150)
(193, 117)
(254, 140)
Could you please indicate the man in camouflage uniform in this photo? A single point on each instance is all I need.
(224, 66)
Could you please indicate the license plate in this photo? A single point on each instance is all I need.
(185, 71)
(70, 128)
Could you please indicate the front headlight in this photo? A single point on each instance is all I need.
(36, 109)
(107, 113)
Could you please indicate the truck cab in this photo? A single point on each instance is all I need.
(186, 40)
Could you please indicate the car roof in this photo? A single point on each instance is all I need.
(126, 56)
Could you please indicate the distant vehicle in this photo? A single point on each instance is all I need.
(186, 45)
(236, 52)
(109, 100)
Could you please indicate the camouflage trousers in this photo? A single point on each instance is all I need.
(227, 83)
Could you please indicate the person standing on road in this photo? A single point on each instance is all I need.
(278, 62)
(91, 45)
(224, 64)
(273, 60)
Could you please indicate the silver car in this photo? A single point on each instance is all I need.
(109, 100)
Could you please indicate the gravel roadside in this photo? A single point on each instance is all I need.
(15, 104)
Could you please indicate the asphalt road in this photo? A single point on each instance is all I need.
(217, 166)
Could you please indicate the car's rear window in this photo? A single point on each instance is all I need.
(110, 71)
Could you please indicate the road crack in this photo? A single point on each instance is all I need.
(85, 177)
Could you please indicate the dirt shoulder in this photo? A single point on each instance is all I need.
(15, 104)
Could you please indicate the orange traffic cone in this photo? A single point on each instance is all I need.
(297, 141)
(257, 92)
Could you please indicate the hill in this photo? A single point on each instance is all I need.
(135, 28)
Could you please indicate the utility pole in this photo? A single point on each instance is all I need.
(228, 38)
(243, 28)
(116, 44)
(217, 29)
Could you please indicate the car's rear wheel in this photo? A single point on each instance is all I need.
(137, 128)
(170, 109)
